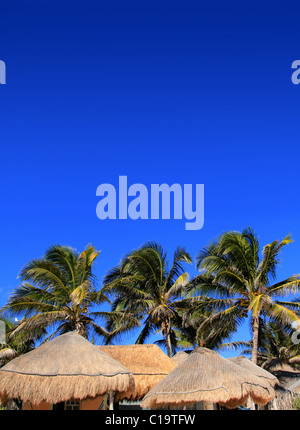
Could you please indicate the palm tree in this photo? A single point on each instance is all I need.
(148, 293)
(18, 344)
(236, 280)
(276, 347)
(204, 327)
(57, 293)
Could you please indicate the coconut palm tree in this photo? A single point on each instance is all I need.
(276, 347)
(147, 293)
(207, 329)
(18, 344)
(236, 280)
(58, 293)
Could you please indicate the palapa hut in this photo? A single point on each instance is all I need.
(287, 392)
(148, 364)
(179, 357)
(262, 374)
(205, 376)
(286, 378)
(65, 369)
(276, 364)
(285, 395)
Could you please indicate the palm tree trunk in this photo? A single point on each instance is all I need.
(166, 329)
(255, 329)
(169, 346)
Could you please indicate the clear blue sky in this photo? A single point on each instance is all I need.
(181, 91)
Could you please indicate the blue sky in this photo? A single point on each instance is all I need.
(162, 92)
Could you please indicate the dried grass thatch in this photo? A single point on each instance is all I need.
(205, 376)
(285, 396)
(180, 357)
(275, 364)
(262, 374)
(284, 400)
(286, 378)
(67, 367)
(147, 362)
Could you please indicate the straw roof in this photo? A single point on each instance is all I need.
(67, 367)
(147, 362)
(262, 374)
(284, 392)
(208, 377)
(179, 357)
(275, 364)
(284, 399)
(286, 378)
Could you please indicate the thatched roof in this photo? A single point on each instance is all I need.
(206, 376)
(179, 357)
(286, 378)
(147, 362)
(284, 399)
(262, 374)
(67, 367)
(275, 364)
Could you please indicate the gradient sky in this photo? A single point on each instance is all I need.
(185, 92)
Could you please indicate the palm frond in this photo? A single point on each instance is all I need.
(288, 286)
(270, 260)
